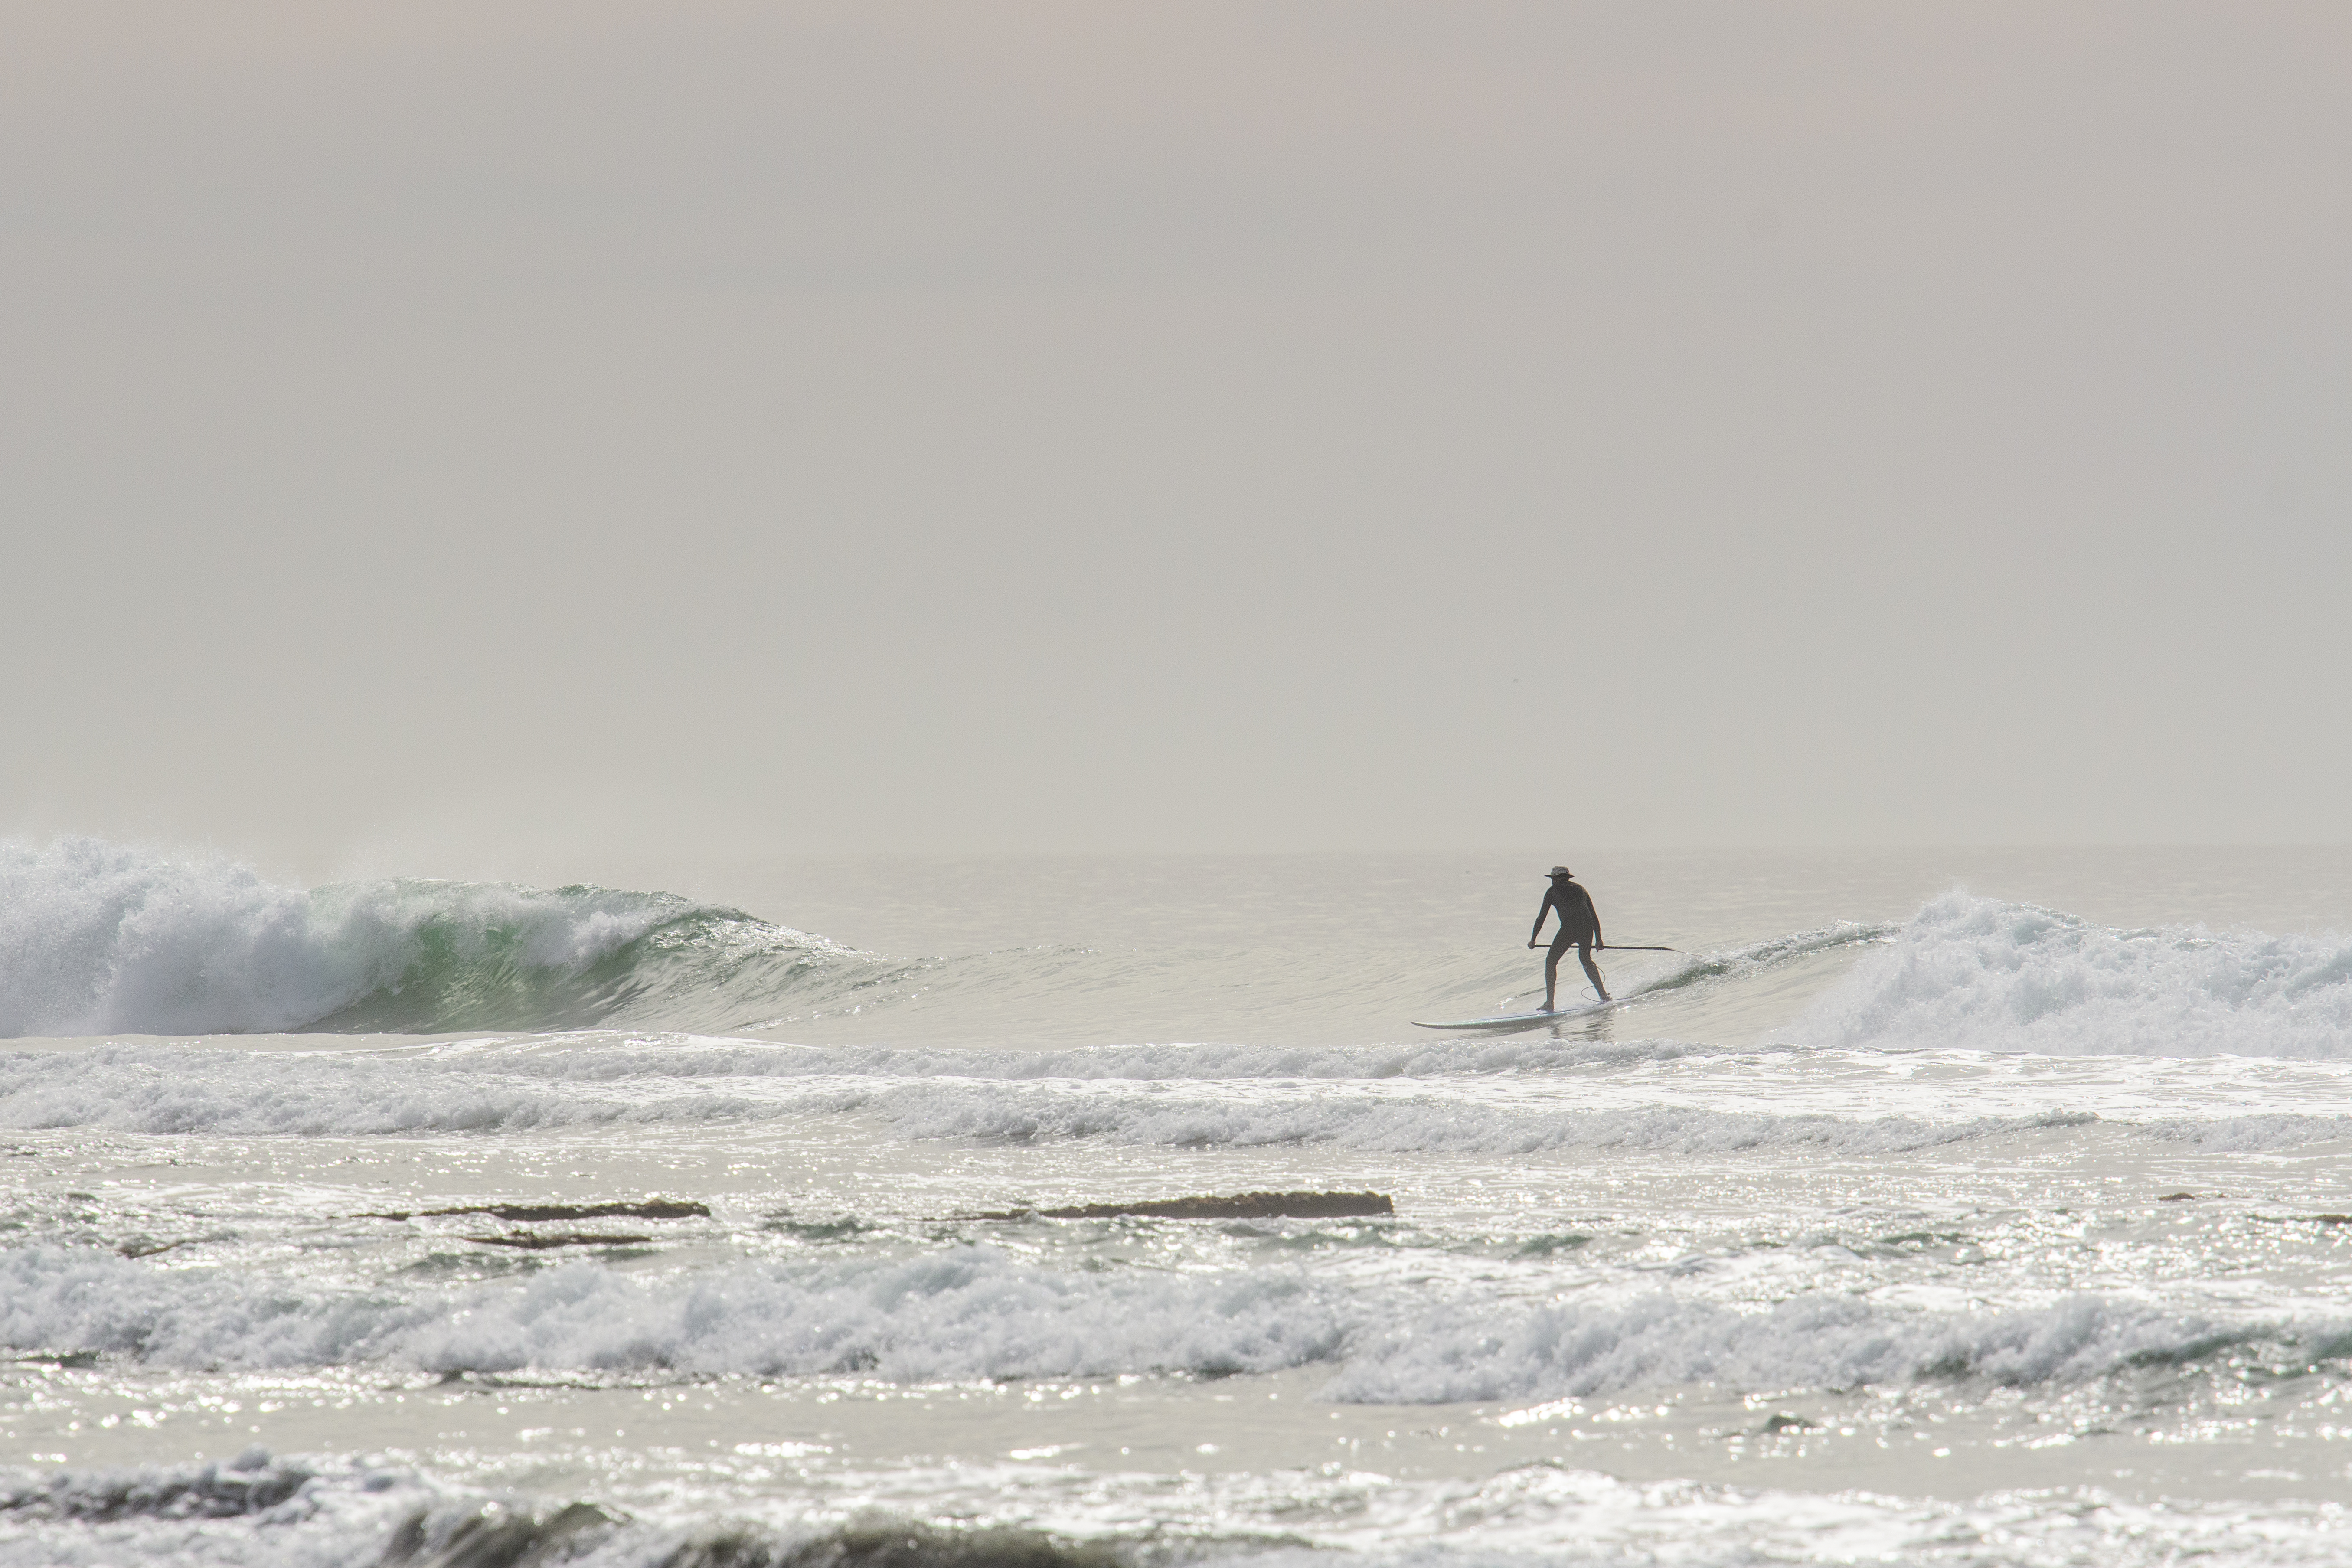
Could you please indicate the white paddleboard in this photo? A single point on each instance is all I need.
(1524, 1020)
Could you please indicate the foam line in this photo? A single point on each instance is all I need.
(167, 1090)
(975, 1311)
(343, 1511)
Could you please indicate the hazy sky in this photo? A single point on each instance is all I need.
(1199, 425)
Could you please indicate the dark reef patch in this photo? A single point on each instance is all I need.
(1243, 1205)
(531, 1214)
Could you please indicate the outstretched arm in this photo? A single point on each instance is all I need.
(1539, 920)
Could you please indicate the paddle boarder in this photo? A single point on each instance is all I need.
(1580, 927)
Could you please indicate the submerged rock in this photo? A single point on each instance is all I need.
(527, 1213)
(536, 1240)
(1244, 1206)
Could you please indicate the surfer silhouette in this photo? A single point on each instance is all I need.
(1580, 927)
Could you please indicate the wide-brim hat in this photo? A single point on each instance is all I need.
(1559, 871)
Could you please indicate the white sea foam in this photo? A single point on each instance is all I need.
(1553, 1514)
(1425, 1124)
(1816, 1341)
(253, 1512)
(171, 1090)
(167, 1089)
(962, 1312)
(1970, 972)
(337, 1512)
(975, 1311)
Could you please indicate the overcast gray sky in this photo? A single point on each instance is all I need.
(1201, 426)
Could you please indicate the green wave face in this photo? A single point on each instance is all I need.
(99, 938)
(1733, 964)
(462, 977)
(478, 958)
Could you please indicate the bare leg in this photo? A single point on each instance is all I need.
(1551, 972)
(1591, 970)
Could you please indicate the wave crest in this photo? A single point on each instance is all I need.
(975, 1311)
(96, 938)
(1972, 973)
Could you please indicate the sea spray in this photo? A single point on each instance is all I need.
(1969, 972)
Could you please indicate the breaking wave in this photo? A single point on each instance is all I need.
(100, 939)
(976, 1312)
(1973, 973)
(96, 938)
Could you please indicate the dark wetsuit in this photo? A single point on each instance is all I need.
(1580, 927)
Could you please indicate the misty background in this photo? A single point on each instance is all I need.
(448, 439)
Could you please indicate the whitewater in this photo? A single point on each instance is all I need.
(1967, 1209)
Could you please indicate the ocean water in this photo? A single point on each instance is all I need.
(1953, 1208)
